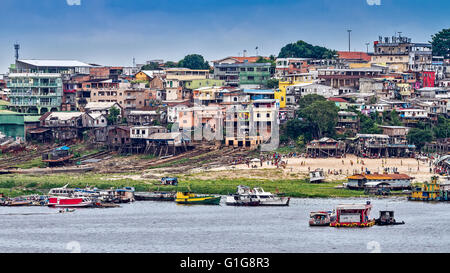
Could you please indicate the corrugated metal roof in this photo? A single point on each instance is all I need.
(56, 63)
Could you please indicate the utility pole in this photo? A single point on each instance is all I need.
(349, 30)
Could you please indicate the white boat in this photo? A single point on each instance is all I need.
(316, 176)
(255, 197)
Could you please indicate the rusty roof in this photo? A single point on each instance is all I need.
(392, 176)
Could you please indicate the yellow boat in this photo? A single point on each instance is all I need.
(197, 199)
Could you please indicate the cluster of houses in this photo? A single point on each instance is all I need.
(45, 100)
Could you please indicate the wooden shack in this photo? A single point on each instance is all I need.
(325, 147)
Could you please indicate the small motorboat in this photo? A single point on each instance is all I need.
(387, 219)
(66, 210)
(320, 218)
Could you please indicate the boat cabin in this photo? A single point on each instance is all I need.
(353, 215)
(316, 176)
(172, 181)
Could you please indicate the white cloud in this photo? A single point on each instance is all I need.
(374, 2)
(77, 2)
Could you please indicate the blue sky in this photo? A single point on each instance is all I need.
(112, 32)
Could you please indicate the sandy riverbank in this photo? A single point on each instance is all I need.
(418, 169)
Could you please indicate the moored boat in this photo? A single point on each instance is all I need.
(316, 176)
(70, 202)
(255, 197)
(155, 196)
(320, 218)
(242, 197)
(188, 198)
(353, 215)
(387, 219)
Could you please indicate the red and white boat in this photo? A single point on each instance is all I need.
(70, 202)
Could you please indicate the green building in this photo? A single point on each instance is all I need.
(12, 124)
(195, 84)
(36, 86)
(254, 75)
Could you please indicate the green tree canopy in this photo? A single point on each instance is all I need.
(441, 43)
(323, 116)
(113, 116)
(309, 99)
(273, 83)
(301, 49)
(170, 64)
(419, 137)
(151, 66)
(194, 61)
(442, 128)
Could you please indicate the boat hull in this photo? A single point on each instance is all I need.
(315, 224)
(155, 197)
(354, 224)
(69, 203)
(244, 204)
(199, 201)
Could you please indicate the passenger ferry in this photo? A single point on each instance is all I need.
(70, 202)
(188, 198)
(255, 197)
(353, 215)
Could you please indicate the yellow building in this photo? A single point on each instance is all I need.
(359, 65)
(280, 93)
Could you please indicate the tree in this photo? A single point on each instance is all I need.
(194, 61)
(113, 116)
(308, 99)
(442, 128)
(323, 116)
(300, 142)
(368, 125)
(419, 137)
(273, 83)
(170, 64)
(441, 43)
(301, 49)
(151, 66)
(297, 127)
(395, 118)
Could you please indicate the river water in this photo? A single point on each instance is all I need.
(165, 227)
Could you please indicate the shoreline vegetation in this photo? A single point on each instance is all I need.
(19, 184)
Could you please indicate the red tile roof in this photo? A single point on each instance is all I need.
(337, 99)
(354, 55)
